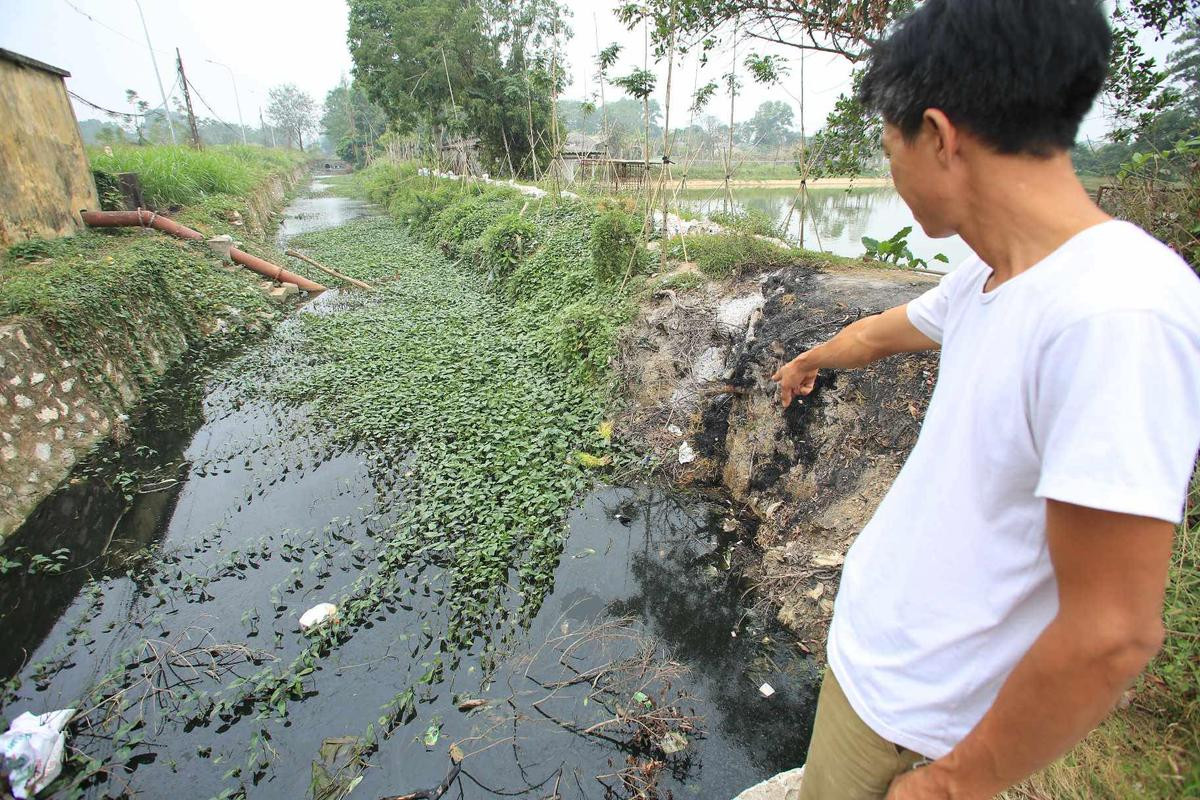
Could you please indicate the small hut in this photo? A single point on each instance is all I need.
(461, 156)
(46, 179)
(578, 148)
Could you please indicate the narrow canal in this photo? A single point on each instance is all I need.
(613, 656)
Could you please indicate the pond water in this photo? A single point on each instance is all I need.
(196, 546)
(837, 219)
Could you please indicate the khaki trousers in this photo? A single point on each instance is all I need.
(846, 759)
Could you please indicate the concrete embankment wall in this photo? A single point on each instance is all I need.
(58, 401)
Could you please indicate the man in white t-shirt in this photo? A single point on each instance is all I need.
(1009, 587)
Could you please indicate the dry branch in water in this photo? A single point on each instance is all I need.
(609, 682)
(160, 672)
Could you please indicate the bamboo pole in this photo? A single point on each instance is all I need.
(603, 104)
(556, 165)
(646, 108)
(664, 170)
(732, 98)
(328, 270)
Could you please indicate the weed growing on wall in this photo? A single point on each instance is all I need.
(120, 294)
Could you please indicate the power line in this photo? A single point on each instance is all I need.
(87, 102)
(108, 28)
(210, 108)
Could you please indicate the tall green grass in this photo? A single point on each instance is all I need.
(180, 176)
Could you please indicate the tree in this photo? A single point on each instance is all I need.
(771, 125)
(351, 122)
(625, 117)
(292, 110)
(580, 115)
(850, 139)
(846, 28)
(1137, 91)
(486, 68)
(640, 84)
(1184, 64)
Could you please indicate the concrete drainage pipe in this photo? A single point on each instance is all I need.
(149, 219)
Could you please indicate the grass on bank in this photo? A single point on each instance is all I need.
(116, 289)
(564, 267)
(181, 176)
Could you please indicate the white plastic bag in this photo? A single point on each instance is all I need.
(32, 750)
(318, 614)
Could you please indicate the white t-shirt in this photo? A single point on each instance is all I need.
(1077, 380)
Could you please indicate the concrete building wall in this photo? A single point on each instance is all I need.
(45, 179)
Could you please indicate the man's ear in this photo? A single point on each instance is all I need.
(943, 134)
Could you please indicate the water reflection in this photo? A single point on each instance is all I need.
(835, 219)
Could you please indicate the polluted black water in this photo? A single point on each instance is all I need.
(159, 593)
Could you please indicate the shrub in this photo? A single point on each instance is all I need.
(680, 281)
(458, 228)
(1160, 192)
(614, 243)
(505, 245)
(749, 221)
(582, 337)
(721, 255)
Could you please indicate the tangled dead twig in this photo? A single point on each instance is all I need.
(160, 671)
(607, 682)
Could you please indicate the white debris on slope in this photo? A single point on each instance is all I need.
(531, 191)
(678, 227)
(32, 750)
(734, 314)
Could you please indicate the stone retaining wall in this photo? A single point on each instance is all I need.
(54, 409)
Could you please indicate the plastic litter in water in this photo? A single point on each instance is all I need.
(766, 690)
(318, 614)
(32, 750)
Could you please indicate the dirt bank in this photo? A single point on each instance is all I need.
(93, 321)
(700, 362)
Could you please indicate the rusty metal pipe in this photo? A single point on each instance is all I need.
(149, 219)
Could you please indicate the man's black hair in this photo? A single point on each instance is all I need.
(1019, 74)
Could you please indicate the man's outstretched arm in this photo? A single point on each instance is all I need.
(858, 344)
(1112, 572)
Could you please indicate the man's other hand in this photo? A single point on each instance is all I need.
(919, 784)
(795, 378)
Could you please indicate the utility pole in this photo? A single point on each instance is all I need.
(187, 100)
(154, 61)
(236, 98)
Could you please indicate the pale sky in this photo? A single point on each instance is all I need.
(267, 42)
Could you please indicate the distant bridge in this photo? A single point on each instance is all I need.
(330, 166)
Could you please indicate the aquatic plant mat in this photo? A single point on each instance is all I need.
(421, 457)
